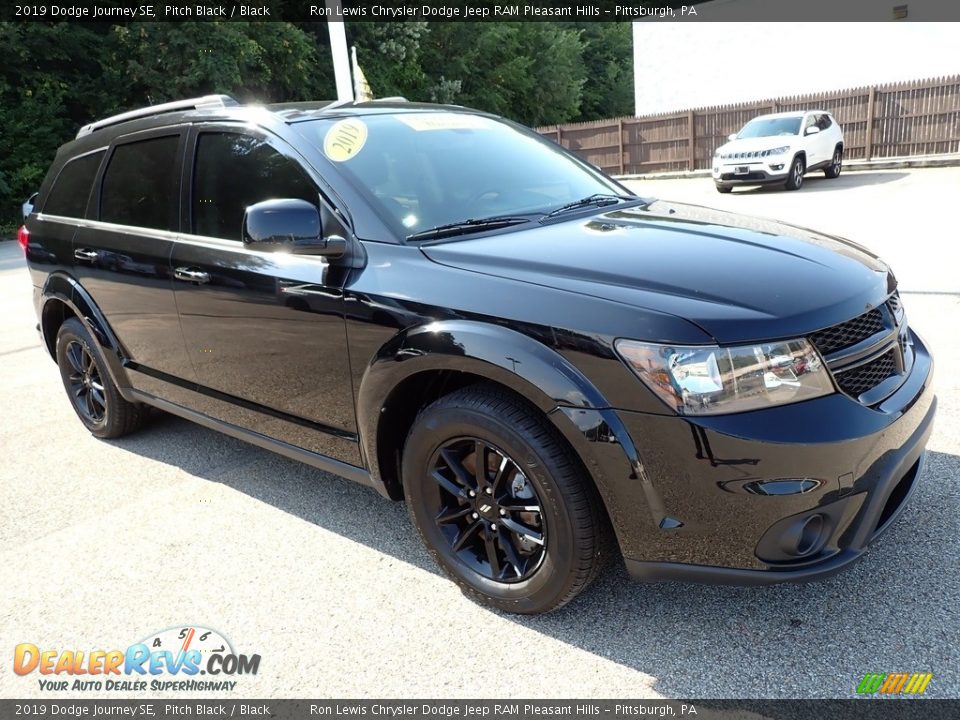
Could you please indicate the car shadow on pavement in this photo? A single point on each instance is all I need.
(816, 182)
(895, 610)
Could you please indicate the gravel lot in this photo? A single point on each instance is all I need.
(106, 542)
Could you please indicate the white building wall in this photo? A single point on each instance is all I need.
(687, 64)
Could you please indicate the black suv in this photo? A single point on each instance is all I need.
(445, 306)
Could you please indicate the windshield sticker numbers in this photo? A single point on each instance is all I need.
(345, 139)
(443, 121)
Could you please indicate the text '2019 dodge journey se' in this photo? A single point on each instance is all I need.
(445, 306)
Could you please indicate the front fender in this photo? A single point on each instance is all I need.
(63, 288)
(528, 367)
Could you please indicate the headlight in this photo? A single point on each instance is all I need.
(779, 150)
(710, 380)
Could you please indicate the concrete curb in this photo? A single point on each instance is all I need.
(923, 161)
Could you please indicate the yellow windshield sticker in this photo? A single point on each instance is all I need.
(444, 121)
(345, 139)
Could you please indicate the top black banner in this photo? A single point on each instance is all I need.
(120, 11)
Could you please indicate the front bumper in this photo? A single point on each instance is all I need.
(791, 493)
(731, 172)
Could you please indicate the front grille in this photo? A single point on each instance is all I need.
(848, 333)
(858, 380)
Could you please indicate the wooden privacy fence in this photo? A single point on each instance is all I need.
(905, 119)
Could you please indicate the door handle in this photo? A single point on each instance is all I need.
(193, 275)
(85, 254)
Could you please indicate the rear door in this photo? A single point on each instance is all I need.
(122, 253)
(265, 330)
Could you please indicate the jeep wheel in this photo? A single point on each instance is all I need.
(795, 178)
(92, 393)
(833, 169)
(723, 188)
(500, 502)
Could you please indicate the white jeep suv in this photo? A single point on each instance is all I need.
(779, 149)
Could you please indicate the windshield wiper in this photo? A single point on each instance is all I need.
(597, 199)
(462, 227)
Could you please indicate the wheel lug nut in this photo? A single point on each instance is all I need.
(502, 512)
(472, 494)
(474, 516)
(493, 527)
(489, 491)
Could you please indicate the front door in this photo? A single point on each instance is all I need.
(265, 330)
(121, 254)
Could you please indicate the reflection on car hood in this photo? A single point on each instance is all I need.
(739, 278)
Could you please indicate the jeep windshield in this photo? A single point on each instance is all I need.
(455, 172)
(770, 127)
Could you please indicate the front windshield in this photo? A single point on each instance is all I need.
(770, 127)
(426, 169)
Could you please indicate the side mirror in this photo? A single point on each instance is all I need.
(812, 130)
(288, 225)
(732, 136)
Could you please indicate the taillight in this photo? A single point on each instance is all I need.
(23, 237)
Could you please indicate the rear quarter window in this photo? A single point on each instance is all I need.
(140, 185)
(71, 190)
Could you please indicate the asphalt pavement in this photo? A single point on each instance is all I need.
(105, 543)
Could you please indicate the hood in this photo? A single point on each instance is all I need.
(758, 144)
(741, 279)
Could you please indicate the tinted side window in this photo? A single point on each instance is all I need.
(233, 171)
(68, 196)
(824, 122)
(140, 184)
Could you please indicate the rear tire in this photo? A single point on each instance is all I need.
(795, 177)
(525, 531)
(91, 391)
(836, 164)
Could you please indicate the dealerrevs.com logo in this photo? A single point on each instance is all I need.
(170, 660)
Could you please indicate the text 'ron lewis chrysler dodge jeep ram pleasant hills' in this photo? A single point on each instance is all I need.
(444, 306)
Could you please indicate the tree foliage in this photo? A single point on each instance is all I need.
(59, 76)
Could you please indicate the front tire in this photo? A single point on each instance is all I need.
(501, 503)
(723, 188)
(94, 397)
(795, 178)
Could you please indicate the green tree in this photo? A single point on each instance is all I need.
(50, 84)
(250, 61)
(608, 58)
(530, 72)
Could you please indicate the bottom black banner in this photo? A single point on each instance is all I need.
(862, 709)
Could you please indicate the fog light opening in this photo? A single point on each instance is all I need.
(805, 536)
(810, 534)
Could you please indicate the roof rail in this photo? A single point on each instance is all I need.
(207, 101)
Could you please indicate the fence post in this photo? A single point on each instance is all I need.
(868, 143)
(691, 138)
(620, 128)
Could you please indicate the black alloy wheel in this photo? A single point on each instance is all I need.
(501, 502)
(487, 510)
(96, 400)
(86, 386)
